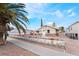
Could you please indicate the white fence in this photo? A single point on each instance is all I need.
(59, 43)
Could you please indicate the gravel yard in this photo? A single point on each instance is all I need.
(12, 50)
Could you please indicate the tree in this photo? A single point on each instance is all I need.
(54, 24)
(41, 22)
(12, 13)
(62, 29)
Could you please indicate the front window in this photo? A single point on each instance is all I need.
(48, 31)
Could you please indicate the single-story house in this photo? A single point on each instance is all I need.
(47, 30)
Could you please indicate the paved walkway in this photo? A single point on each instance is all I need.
(39, 50)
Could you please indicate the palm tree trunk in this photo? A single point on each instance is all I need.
(1, 39)
(2, 31)
(5, 37)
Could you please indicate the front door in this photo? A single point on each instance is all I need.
(48, 31)
(76, 36)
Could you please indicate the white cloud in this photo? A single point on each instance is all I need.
(72, 14)
(58, 14)
(49, 23)
(69, 11)
(36, 9)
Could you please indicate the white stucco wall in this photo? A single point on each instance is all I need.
(44, 30)
(73, 29)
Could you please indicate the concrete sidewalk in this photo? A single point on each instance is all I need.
(39, 50)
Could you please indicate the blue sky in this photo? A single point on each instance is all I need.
(63, 14)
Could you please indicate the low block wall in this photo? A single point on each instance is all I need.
(71, 46)
(45, 41)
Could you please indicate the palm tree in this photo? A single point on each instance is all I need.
(12, 13)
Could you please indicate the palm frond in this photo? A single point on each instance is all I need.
(19, 5)
(16, 25)
(20, 27)
(22, 22)
(22, 10)
(15, 14)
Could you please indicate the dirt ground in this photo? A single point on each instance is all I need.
(12, 50)
(72, 46)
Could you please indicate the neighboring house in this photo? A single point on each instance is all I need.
(73, 31)
(47, 30)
